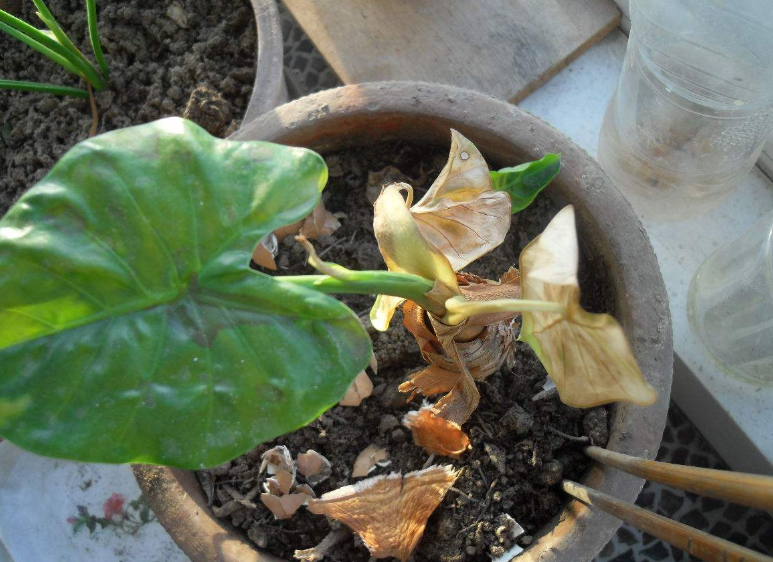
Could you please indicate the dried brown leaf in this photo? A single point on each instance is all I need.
(430, 381)
(359, 390)
(587, 355)
(368, 459)
(284, 507)
(461, 215)
(389, 513)
(306, 490)
(314, 467)
(278, 463)
(436, 435)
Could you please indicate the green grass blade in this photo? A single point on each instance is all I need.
(96, 46)
(41, 48)
(45, 88)
(86, 67)
(77, 65)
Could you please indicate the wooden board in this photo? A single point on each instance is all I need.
(504, 48)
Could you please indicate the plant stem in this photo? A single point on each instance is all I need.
(403, 285)
(94, 113)
(96, 45)
(39, 87)
(459, 308)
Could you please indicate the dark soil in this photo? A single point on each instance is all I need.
(516, 463)
(163, 57)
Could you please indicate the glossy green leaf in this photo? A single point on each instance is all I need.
(524, 182)
(129, 314)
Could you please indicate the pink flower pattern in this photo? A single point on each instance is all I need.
(114, 505)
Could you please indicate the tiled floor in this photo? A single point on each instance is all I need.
(307, 72)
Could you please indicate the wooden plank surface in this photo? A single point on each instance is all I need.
(504, 48)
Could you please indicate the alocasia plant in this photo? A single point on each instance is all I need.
(132, 328)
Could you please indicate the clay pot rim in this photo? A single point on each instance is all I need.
(607, 224)
(269, 89)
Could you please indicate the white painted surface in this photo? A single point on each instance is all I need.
(38, 494)
(733, 415)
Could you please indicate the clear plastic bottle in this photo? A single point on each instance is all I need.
(730, 304)
(694, 104)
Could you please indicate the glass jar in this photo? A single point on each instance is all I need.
(694, 104)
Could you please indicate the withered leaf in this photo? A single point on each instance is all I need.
(389, 513)
(279, 463)
(314, 467)
(436, 435)
(306, 490)
(359, 390)
(284, 507)
(587, 355)
(368, 459)
(461, 215)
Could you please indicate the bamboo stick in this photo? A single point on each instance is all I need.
(695, 542)
(737, 487)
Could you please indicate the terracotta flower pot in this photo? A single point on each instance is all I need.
(609, 232)
(270, 88)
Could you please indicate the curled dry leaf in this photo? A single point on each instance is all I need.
(436, 435)
(279, 464)
(368, 459)
(359, 390)
(389, 513)
(587, 355)
(306, 490)
(461, 215)
(314, 467)
(284, 507)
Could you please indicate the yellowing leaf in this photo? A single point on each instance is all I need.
(587, 355)
(404, 249)
(461, 215)
(285, 506)
(389, 513)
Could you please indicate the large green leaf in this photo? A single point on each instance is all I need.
(525, 181)
(131, 327)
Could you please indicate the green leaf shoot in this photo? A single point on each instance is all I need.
(96, 45)
(44, 88)
(525, 181)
